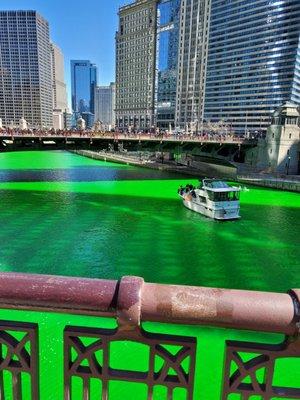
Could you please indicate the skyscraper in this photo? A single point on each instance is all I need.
(228, 60)
(253, 61)
(168, 19)
(60, 103)
(161, 45)
(193, 46)
(25, 69)
(58, 79)
(135, 65)
(83, 81)
(105, 105)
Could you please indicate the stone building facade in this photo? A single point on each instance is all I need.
(135, 65)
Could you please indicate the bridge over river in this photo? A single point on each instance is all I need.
(76, 136)
(227, 147)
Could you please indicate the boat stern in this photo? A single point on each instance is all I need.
(227, 214)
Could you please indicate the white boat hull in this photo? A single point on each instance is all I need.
(219, 214)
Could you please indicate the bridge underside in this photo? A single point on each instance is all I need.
(232, 152)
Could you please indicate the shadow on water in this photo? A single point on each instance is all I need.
(88, 174)
(99, 235)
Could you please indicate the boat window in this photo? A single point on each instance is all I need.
(202, 199)
(217, 184)
(211, 195)
(234, 196)
(224, 196)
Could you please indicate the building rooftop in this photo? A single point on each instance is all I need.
(288, 109)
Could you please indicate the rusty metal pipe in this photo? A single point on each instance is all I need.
(237, 309)
(57, 293)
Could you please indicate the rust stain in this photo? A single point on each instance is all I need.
(195, 304)
(225, 311)
(165, 308)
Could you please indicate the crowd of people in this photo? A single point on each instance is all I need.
(188, 189)
(203, 136)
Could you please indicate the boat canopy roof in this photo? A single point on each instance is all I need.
(218, 186)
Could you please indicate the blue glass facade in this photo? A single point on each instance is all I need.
(84, 81)
(168, 16)
(296, 83)
(253, 61)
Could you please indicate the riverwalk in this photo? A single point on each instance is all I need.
(287, 183)
(136, 161)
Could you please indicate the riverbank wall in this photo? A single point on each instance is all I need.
(198, 169)
(289, 184)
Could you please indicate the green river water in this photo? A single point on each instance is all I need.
(68, 215)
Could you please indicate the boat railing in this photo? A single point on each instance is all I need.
(175, 326)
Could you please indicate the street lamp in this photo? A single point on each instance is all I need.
(288, 165)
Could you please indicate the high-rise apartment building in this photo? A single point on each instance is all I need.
(136, 64)
(105, 105)
(253, 66)
(25, 69)
(84, 82)
(58, 79)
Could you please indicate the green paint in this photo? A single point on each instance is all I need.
(118, 227)
(138, 226)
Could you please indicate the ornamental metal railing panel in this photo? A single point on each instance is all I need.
(92, 361)
(19, 357)
(170, 359)
(253, 369)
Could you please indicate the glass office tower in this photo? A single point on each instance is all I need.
(193, 46)
(168, 17)
(105, 104)
(296, 82)
(84, 82)
(253, 65)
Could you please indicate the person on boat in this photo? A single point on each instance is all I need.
(180, 189)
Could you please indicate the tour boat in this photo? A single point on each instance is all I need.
(213, 198)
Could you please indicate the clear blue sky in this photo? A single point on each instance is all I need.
(83, 29)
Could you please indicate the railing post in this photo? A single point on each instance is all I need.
(295, 295)
(129, 303)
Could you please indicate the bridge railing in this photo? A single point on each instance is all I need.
(197, 138)
(91, 339)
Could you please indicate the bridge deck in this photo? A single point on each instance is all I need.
(180, 139)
